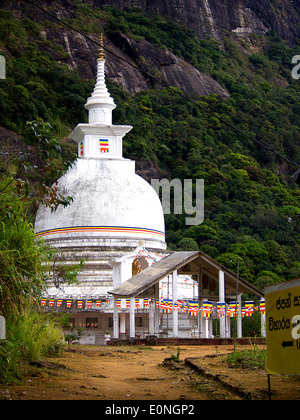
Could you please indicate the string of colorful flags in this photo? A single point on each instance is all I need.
(71, 303)
(207, 308)
(193, 308)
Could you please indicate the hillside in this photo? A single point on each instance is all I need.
(211, 18)
(251, 204)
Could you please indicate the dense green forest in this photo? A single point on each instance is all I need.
(252, 207)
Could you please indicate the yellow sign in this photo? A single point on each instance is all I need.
(283, 328)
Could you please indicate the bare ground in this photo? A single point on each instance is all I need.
(145, 373)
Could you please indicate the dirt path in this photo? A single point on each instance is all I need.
(133, 373)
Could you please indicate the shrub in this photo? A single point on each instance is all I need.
(253, 358)
(30, 337)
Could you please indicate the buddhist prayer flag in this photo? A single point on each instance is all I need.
(162, 304)
(166, 306)
(51, 302)
(59, 302)
(233, 309)
(137, 303)
(43, 301)
(249, 308)
(69, 303)
(79, 304)
(89, 304)
(127, 303)
(177, 305)
(262, 307)
(98, 304)
(185, 308)
(118, 303)
(221, 309)
(193, 308)
(81, 149)
(207, 308)
(104, 146)
(146, 303)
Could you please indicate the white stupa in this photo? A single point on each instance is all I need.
(113, 210)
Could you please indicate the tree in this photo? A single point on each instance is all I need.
(71, 333)
(202, 233)
(24, 260)
(21, 269)
(266, 278)
(230, 261)
(187, 244)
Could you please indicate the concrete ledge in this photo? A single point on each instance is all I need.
(225, 381)
(211, 341)
(154, 340)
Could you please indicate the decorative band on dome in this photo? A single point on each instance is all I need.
(109, 229)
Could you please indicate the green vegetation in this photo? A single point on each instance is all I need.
(176, 358)
(250, 358)
(36, 85)
(24, 266)
(30, 337)
(72, 333)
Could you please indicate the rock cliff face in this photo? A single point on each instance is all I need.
(163, 64)
(209, 18)
(81, 54)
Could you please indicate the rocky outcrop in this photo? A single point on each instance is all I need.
(148, 170)
(80, 53)
(209, 18)
(165, 66)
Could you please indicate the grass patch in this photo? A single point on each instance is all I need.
(176, 358)
(248, 358)
(30, 337)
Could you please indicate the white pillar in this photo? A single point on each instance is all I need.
(151, 317)
(122, 270)
(222, 299)
(132, 318)
(156, 320)
(228, 327)
(122, 324)
(115, 320)
(201, 323)
(206, 328)
(210, 328)
(239, 319)
(263, 322)
(174, 298)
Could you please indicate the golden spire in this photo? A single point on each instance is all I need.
(101, 50)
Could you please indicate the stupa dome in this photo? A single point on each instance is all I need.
(109, 202)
